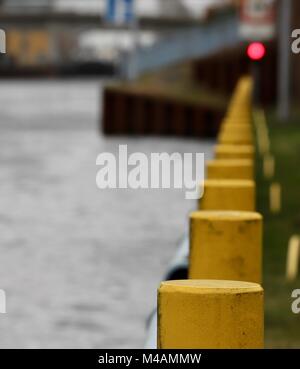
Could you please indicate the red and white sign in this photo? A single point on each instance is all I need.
(257, 20)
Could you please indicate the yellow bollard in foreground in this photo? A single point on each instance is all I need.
(234, 152)
(210, 314)
(226, 245)
(228, 195)
(230, 169)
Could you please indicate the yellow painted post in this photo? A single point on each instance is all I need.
(210, 314)
(226, 245)
(293, 258)
(275, 198)
(230, 169)
(263, 140)
(228, 195)
(239, 105)
(228, 128)
(240, 122)
(242, 110)
(234, 152)
(269, 166)
(235, 139)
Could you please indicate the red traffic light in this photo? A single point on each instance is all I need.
(256, 51)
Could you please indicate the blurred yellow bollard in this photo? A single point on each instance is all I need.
(293, 258)
(262, 132)
(236, 130)
(235, 138)
(210, 314)
(228, 195)
(234, 152)
(228, 128)
(269, 166)
(226, 245)
(275, 198)
(241, 122)
(230, 169)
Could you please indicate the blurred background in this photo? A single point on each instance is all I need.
(81, 266)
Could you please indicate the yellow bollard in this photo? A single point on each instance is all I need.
(229, 128)
(228, 195)
(210, 314)
(244, 132)
(226, 245)
(239, 106)
(275, 198)
(269, 166)
(262, 132)
(238, 119)
(235, 138)
(234, 152)
(240, 122)
(230, 169)
(263, 141)
(293, 258)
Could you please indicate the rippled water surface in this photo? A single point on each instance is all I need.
(80, 266)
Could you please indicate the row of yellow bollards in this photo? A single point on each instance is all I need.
(221, 304)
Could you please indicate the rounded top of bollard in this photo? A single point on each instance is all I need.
(226, 215)
(209, 287)
(229, 183)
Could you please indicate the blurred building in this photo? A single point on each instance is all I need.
(71, 35)
(43, 34)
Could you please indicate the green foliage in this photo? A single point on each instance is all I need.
(282, 326)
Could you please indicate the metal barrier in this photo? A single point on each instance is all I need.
(178, 269)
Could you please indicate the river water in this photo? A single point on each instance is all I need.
(79, 266)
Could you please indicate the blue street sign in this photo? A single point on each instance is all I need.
(120, 11)
(111, 10)
(129, 11)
